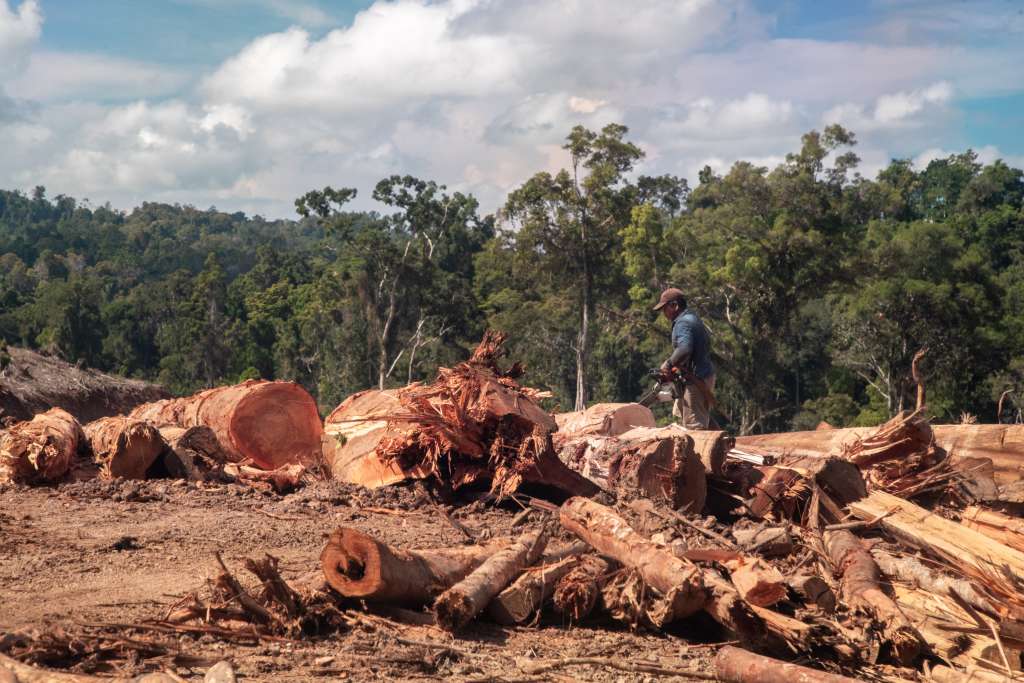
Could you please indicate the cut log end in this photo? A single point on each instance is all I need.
(453, 610)
(276, 423)
(123, 447)
(351, 562)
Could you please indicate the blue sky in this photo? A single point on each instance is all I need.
(246, 104)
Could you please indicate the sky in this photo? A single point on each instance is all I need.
(247, 104)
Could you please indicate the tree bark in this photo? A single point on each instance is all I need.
(524, 599)
(40, 450)
(860, 587)
(1002, 444)
(359, 566)
(271, 423)
(123, 447)
(458, 605)
(677, 580)
(604, 419)
(734, 665)
(191, 452)
(757, 582)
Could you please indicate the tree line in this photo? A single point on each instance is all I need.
(818, 284)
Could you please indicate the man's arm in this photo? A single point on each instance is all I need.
(682, 337)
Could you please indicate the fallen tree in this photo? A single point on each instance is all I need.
(192, 452)
(1002, 444)
(41, 449)
(524, 599)
(734, 665)
(359, 566)
(270, 423)
(123, 447)
(603, 419)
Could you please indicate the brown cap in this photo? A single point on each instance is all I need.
(668, 296)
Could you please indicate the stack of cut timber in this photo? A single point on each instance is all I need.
(473, 424)
(271, 424)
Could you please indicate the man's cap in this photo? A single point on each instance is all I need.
(668, 296)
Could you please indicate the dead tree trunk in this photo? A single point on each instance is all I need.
(359, 566)
(523, 600)
(457, 606)
(677, 580)
(271, 423)
(860, 576)
(123, 447)
(40, 450)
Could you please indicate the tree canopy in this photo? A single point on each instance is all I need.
(818, 284)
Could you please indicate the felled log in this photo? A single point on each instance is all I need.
(973, 674)
(191, 453)
(359, 566)
(735, 665)
(603, 419)
(662, 467)
(123, 447)
(1002, 444)
(758, 582)
(860, 588)
(13, 671)
(678, 581)
(352, 433)
(1003, 528)
(576, 593)
(770, 541)
(777, 492)
(41, 449)
(270, 423)
(523, 600)
(969, 551)
(710, 446)
(458, 605)
(282, 479)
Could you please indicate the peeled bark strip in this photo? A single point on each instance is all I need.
(521, 601)
(123, 447)
(679, 581)
(1003, 528)
(758, 582)
(359, 566)
(576, 593)
(860, 576)
(40, 450)
(270, 423)
(458, 605)
(734, 665)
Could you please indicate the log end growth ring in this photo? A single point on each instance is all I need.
(275, 424)
(351, 562)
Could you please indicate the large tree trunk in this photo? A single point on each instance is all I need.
(359, 566)
(192, 452)
(710, 446)
(523, 600)
(1003, 528)
(583, 343)
(123, 447)
(603, 419)
(1002, 444)
(458, 605)
(677, 580)
(270, 423)
(40, 450)
(860, 588)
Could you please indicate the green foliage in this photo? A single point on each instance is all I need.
(818, 285)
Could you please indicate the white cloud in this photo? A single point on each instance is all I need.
(477, 94)
(891, 110)
(72, 75)
(19, 30)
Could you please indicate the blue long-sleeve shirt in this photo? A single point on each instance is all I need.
(690, 338)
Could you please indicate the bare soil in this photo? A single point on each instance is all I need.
(101, 552)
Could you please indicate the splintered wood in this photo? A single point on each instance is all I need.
(472, 424)
(40, 450)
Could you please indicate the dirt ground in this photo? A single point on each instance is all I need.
(102, 552)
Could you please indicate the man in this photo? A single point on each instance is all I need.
(692, 357)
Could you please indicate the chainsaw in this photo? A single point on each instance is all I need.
(668, 386)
